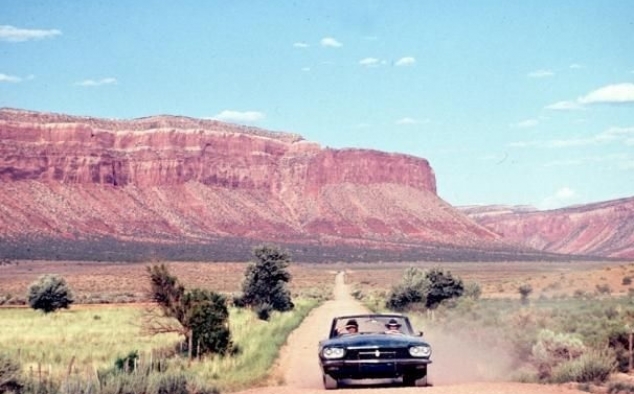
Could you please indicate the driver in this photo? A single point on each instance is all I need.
(393, 327)
(352, 327)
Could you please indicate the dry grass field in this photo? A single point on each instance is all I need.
(502, 279)
(127, 282)
(98, 282)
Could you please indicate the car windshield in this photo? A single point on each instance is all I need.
(372, 325)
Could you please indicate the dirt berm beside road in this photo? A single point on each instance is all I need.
(298, 365)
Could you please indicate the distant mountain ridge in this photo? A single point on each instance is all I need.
(197, 189)
(600, 229)
(183, 181)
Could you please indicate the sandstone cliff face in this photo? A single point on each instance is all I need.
(603, 229)
(164, 177)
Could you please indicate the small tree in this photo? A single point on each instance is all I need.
(265, 282)
(412, 290)
(525, 290)
(442, 286)
(202, 315)
(429, 288)
(206, 315)
(50, 293)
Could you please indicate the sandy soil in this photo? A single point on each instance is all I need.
(298, 369)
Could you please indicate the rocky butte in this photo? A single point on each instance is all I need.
(599, 229)
(184, 188)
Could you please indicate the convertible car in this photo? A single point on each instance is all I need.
(373, 346)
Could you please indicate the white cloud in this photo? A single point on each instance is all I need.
(406, 121)
(565, 106)
(9, 78)
(330, 42)
(526, 123)
(563, 196)
(240, 117)
(410, 121)
(369, 62)
(616, 134)
(541, 74)
(610, 94)
(98, 82)
(14, 34)
(576, 66)
(620, 160)
(623, 135)
(300, 45)
(406, 61)
(620, 93)
(306, 69)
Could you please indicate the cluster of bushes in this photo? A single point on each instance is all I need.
(201, 318)
(568, 340)
(424, 289)
(553, 341)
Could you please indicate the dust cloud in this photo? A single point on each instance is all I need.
(458, 359)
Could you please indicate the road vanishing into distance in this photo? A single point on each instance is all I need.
(298, 365)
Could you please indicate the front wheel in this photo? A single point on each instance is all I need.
(412, 381)
(330, 383)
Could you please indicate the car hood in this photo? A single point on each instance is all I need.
(373, 340)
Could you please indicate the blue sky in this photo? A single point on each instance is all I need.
(530, 103)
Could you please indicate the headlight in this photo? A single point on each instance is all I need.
(420, 351)
(333, 352)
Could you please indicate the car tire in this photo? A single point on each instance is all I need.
(411, 381)
(330, 383)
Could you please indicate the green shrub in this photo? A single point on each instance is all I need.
(593, 366)
(10, 375)
(620, 388)
(442, 286)
(473, 290)
(402, 297)
(127, 363)
(429, 288)
(627, 280)
(525, 290)
(50, 293)
(553, 349)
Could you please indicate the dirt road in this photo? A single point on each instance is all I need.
(298, 368)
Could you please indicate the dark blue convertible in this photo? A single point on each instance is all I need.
(374, 346)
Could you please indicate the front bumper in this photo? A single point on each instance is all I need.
(375, 369)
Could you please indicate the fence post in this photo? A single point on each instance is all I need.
(631, 360)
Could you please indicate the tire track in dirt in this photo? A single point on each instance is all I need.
(298, 371)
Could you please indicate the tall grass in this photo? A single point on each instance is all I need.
(83, 338)
(70, 347)
(259, 344)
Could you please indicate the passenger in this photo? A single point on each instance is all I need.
(352, 327)
(393, 327)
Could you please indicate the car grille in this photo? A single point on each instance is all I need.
(377, 354)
